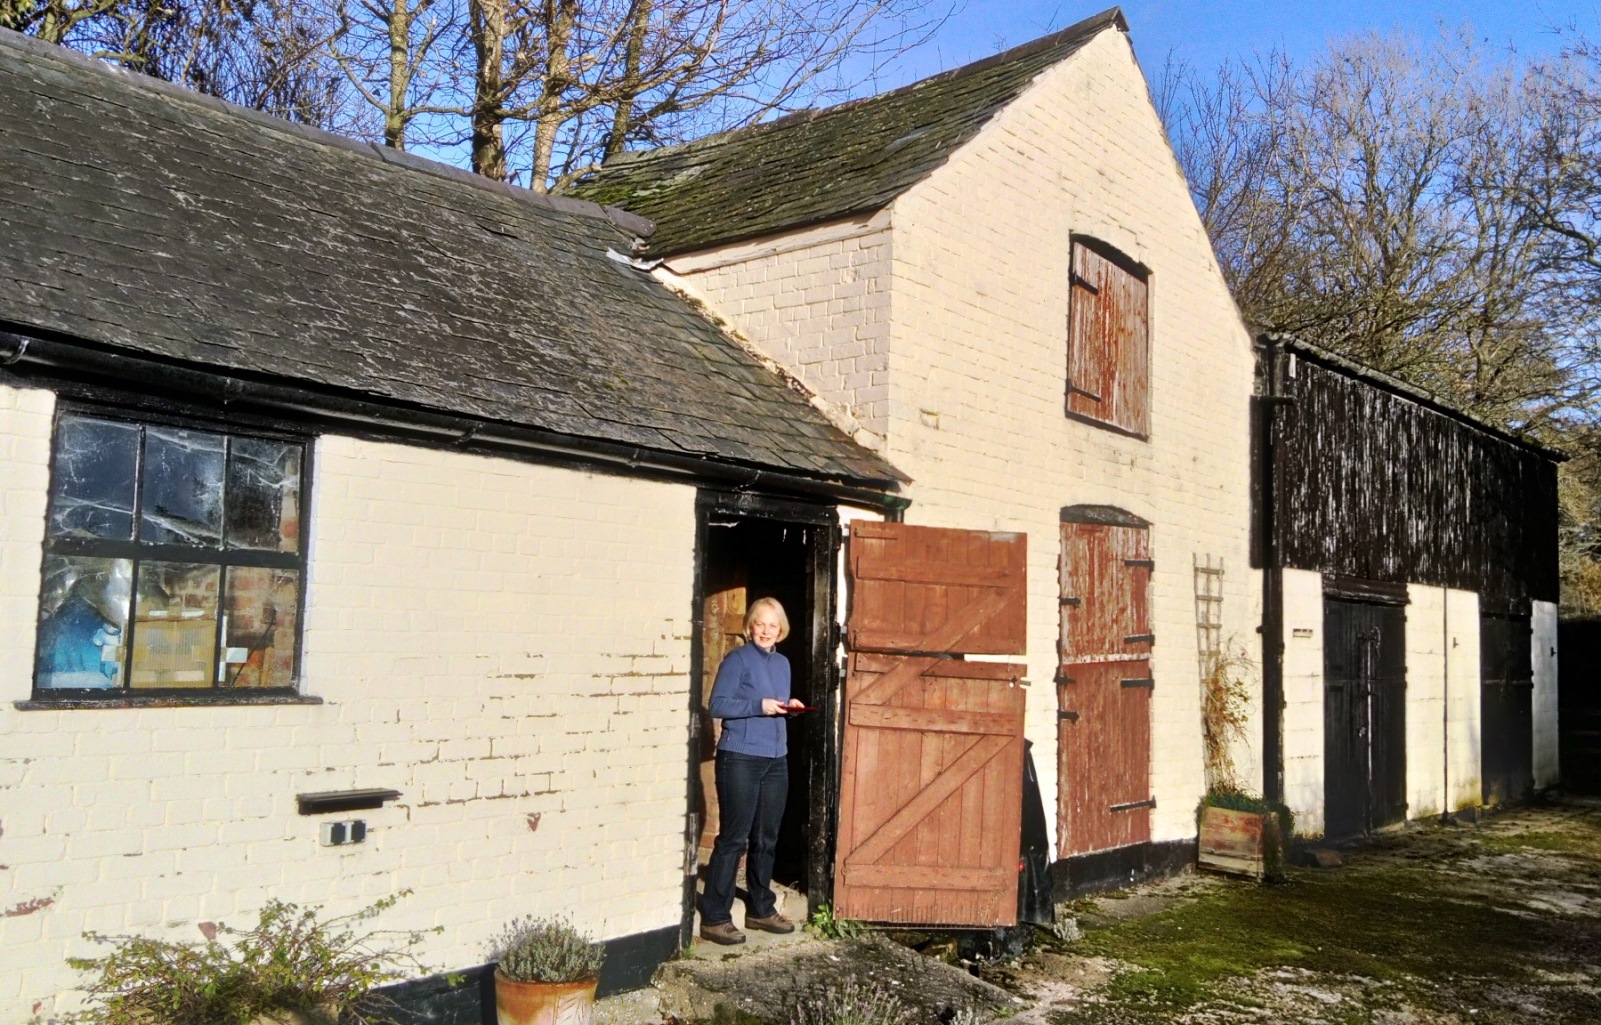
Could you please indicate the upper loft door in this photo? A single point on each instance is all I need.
(931, 775)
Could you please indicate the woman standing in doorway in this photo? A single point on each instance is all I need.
(751, 696)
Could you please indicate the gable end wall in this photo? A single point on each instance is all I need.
(977, 388)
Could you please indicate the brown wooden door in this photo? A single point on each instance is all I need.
(1104, 684)
(932, 764)
(722, 630)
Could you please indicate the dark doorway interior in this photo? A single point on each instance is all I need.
(743, 558)
(1506, 708)
(1364, 716)
(1579, 697)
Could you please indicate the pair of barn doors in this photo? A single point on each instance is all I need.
(931, 774)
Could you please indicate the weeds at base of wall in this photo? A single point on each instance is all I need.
(292, 964)
(824, 923)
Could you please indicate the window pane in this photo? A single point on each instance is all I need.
(175, 625)
(259, 627)
(263, 495)
(182, 499)
(92, 487)
(83, 611)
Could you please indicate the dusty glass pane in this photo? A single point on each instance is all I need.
(263, 495)
(258, 627)
(182, 500)
(83, 615)
(91, 491)
(175, 625)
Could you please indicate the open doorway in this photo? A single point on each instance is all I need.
(752, 548)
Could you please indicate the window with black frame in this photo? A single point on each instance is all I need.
(173, 561)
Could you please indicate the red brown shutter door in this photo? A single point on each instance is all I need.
(929, 589)
(1104, 684)
(1108, 342)
(932, 765)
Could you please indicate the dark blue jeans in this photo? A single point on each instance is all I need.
(751, 791)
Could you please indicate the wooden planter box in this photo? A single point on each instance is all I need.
(1243, 843)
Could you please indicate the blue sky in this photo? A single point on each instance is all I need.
(1206, 32)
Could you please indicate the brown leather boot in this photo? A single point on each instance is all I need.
(775, 922)
(722, 932)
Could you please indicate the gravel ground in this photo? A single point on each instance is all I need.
(1494, 923)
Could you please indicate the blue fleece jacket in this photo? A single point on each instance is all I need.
(749, 674)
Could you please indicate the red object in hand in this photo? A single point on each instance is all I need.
(795, 709)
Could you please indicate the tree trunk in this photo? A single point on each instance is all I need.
(561, 16)
(623, 116)
(488, 114)
(400, 71)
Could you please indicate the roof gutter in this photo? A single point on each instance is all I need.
(76, 363)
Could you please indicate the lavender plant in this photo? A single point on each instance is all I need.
(545, 950)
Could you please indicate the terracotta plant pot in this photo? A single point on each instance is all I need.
(1243, 843)
(543, 1003)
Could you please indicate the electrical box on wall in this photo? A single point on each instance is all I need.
(337, 834)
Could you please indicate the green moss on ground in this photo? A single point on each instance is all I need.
(1395, 928)
(1586, 842)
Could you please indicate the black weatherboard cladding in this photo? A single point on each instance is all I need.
(819, 165)
(164, 224)
(1373, 484)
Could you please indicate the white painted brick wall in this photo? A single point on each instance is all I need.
(1547, 770)
(981, 260)
(1303, 699)
(495, 640)
(819, 304)
(967, 381)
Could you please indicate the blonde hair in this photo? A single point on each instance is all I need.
(767, 603)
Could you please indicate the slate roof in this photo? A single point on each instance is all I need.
(154, 220)
(820, 165)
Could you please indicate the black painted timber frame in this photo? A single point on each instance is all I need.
(824, 783)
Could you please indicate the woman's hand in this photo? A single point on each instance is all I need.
(773, 706)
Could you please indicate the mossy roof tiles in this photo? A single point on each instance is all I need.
(820, 165)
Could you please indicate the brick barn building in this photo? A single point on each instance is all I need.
(341, 485)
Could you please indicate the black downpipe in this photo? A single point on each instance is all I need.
(1267, 405)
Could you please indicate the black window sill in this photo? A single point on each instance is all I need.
(165, 701)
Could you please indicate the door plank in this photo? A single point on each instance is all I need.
(915, 877)
(941, 720)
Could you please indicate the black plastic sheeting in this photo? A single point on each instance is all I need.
(1034, 904)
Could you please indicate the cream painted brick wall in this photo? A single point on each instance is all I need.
(1547, 770)
(978, 347)
(1442, 700)
(496, 640)
(966, 383)
(821, 308)
(1303, 699)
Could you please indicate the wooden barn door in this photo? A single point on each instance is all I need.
(931, 771)
(1364, 717)
(1104, 684)
(1506, 708)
